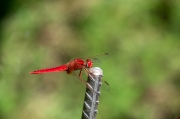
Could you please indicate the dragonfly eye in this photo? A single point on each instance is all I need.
(89, 63)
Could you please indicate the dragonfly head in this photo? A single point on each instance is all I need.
(89, 63)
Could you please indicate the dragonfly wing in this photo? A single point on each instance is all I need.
(98, 59)
(105, 86)
(48, 70)
(101, 57)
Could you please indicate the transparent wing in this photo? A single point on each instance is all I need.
(105, 85)
(79, 76)
(98, 59)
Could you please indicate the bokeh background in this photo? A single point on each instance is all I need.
(142, 37)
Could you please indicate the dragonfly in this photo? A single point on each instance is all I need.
(78, 64)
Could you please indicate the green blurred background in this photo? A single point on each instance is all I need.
(142, 37)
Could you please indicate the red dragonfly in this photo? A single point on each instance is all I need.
(74, 65)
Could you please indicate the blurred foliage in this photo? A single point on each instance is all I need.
(143, 70)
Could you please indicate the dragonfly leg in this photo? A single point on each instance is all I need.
(107, 87)
(86, 71)
(80, 77)
(87, 84)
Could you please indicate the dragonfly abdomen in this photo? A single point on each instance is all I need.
(48, 70)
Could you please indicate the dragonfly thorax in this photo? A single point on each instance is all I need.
(89, 63)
